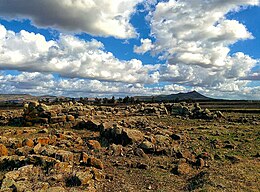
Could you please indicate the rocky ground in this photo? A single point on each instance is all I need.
(145, 147)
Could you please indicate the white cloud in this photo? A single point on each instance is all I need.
(44, 83)
(146, 45)
(96, 17)
(194, 37)
(69, 57)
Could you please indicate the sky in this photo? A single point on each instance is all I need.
(100, 48)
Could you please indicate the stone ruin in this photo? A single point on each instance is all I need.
(194, 111)
(75, 115)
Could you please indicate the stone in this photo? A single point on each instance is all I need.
(41, 186)
(94, 162)
(130, 136)
(3, 150)
(182, 169)
(233, 158)
(200, 163)
(70, 118)
(84, 177)
(23, 186)
(176, 137)
(12, 162)
(44, 131)
(8, 183)
(147, 146)
(43, 140)
(64, 156)
(94, 144)
(28, 142)
(58, 119)
(186, 155)
(63, 167)
(116, 149)
(23, 151)
(139, 152)
(37, 149)
(84, 157)
(97, 174)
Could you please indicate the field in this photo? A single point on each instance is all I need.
(100, 148)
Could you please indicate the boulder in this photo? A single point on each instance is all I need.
(28, 142)
(3, 150)
(94, 162)
(84, 177)
(94, 144)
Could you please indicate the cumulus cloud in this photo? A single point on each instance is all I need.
(43, 83)
(146, 45)
(194, 38)
(69, 57)
(46, 84)
(96, 17)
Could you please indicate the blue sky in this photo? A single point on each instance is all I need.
(130, 47)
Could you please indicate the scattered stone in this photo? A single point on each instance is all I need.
(176, 136)
(233, 158)
(94, 162)
(84, 177)
(3, 150)
(28, 142)
(94, 144)
(43, 140)
(182, 169)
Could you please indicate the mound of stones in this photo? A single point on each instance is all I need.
(38, 160)
(194, 111)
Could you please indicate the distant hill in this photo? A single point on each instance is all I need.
(18, 98)
(194, 96)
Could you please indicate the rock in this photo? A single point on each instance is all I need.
(23, 151)
(142, 166)
(120, 135)
(182, 169)
(97, 174)
(84, 158)
(43, 140)
(116, 149)
(84, 177)
(147, 146)
(37, 149)
(70, 118)
(44, 161)
(28, 142)
(139, 152)
(32, 105)
(64, 156)
(130, 136)
(41, 186)
(94, 144)
(8, 183)
(90, 125)
(176, 137)
(12, 162)
(44, 131)
(3, 150)
(200, 163)
(233, 158)
(63, 167)
(23, 186)
(94, 162)
(58, 119)
(186, 155)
